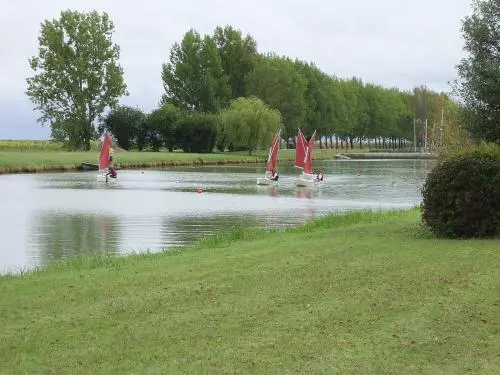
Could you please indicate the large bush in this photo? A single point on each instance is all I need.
(125, 124)
(196, 132)
(461, 197)
(159, 128)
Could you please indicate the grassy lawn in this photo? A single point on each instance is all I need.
(366, 293)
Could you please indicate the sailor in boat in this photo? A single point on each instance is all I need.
(274, 175)
(319, 176)
(112, 173)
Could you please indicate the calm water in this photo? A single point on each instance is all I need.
(58, 215)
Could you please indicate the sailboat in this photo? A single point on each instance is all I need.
(104, 158)
(300, 150)
(272, 161)
(307, 179)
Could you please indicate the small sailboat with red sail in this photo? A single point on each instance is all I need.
(272, 162)
(307, 178)
(300, 150)
(104, 160)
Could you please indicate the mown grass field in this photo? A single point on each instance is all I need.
(365, 293)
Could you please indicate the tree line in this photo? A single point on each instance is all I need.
(221, 92)
(206, 75)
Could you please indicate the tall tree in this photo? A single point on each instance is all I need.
(277, 81)
(77, 75)
(237, 55)
(319, 107)
(194, 78)
(479, 71)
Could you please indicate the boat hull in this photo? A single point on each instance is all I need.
(90, 167)
(306, 181)
(101, 177)
(265, 181)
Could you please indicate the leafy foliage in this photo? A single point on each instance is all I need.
(125, 123)
(479, 72)
(196, 132)
(237, 55)
(194, 78)
(159, 128)
(249, 122)
(461, 197)
(77, 75)
(276, 81)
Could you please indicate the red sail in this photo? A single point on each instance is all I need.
(273, 153)
(300, 150)
(308, 158)
(104, 155)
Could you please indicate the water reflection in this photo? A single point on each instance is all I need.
(271, 190)
(62, 236)
(187, 230)
(304, 192)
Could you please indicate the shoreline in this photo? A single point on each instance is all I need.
(123, 166)
(139, 160)
(385, 155)
(195, 160)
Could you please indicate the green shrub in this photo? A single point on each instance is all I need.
(196, 133)
(461, 197)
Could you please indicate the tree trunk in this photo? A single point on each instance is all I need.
(86, 136)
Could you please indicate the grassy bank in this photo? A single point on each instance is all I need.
(390, 155)
(38, 145)
(39, 161)
(357, 294)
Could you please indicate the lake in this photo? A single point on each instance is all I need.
(51, 216)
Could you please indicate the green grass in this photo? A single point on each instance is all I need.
(37, 161)
(50, 145)
(366, 293)
(37, 145)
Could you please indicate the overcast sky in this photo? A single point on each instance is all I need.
(390, 42)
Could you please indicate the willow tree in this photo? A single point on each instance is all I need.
(248, 123)
(76, 75)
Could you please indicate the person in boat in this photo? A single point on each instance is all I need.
(112, 173)
(319, 176)
(274, 175)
